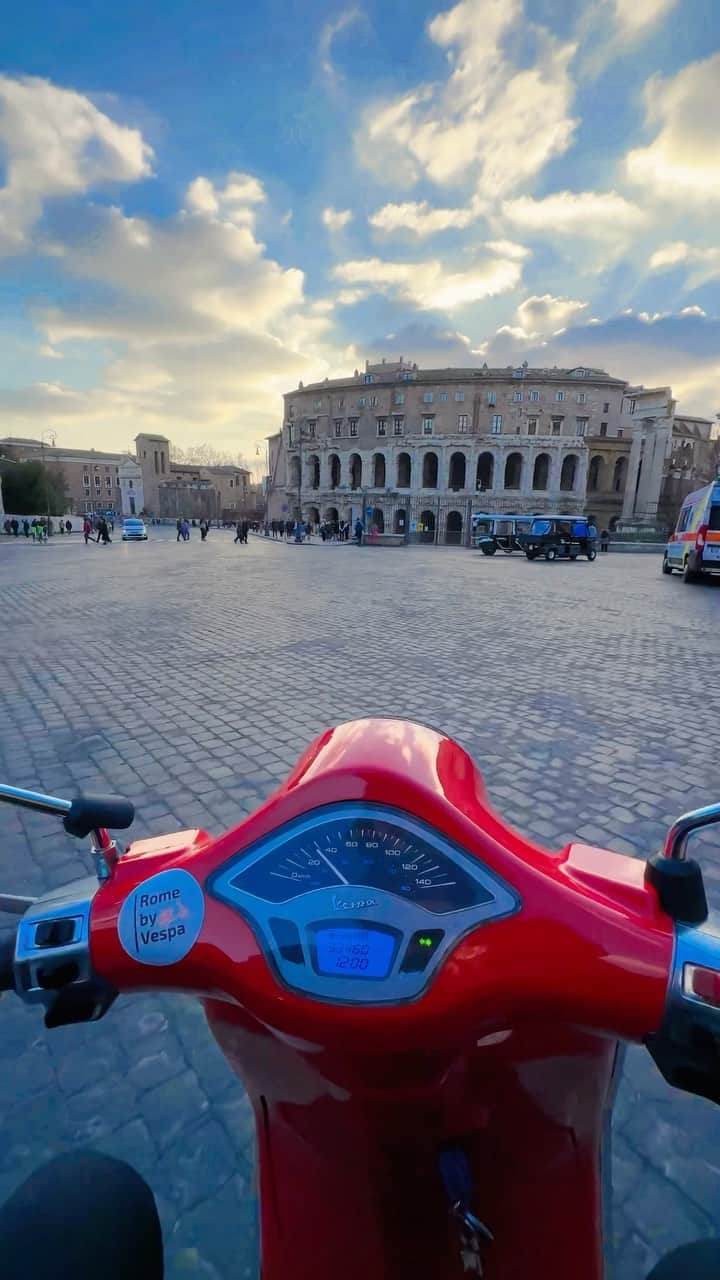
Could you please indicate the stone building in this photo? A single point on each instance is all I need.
(92, 477)
(419, 450)
(189, 489)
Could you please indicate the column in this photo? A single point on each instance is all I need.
(628, 508)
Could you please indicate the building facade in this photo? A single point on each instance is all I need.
(92, 477)
(412, 450)
(189, 489)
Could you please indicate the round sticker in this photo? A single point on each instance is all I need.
(162, 918)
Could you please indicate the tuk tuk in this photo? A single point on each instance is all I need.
(491, 533)
(560, 538)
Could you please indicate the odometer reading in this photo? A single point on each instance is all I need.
(354, 953)
(364, 852)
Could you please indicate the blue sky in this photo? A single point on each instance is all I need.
(202, 204)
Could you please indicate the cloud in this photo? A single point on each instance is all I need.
(420, 218)
(430, 285)
(490, 122)
(336, 219)
(679, 350)
(538, 317)
(588, 215)
(682, 163)
(429, 345)
(702, 264)
(57, 143)
(235, 201)
(634, 18)
(328, 34)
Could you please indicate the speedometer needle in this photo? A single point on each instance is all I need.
(332, 868)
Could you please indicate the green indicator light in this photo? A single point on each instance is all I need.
(425, 942)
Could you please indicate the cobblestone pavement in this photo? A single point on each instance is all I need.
(190, 677)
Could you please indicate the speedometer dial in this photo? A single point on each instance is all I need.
(372, 852)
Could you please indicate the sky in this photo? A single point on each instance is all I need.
(203, 203)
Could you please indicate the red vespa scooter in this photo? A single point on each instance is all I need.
(425, 1007)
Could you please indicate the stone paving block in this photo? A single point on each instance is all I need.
(197, 731)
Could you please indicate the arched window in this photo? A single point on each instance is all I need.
(295, 473)
(513, 471)
(541, 471)
(334, 470)
(427, 520)
(355, 471)
(404, 471)
(313, 516)
(453, 528)
(485, 471)
(568, 473)
(596, 473)
(430, 471)
(379, 471)
(620, 475)
(331, 516)
(400, 522)
(313, 469)
(377, 520)
(457, 471)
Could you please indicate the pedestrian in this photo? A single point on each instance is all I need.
(87, 530)
(14, 526)
(245, 530)
(203, 529)
(238, 532)
(68, 526)
(179, 527)
(186, 530)
(359, 531)
(604, 539)
(61, 528)
(26, 527)
(103, 533)
(323, 532)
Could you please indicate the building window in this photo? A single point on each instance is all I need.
(428, 397)
(559, 395)
(317, 404)
(620, 433)
(382, 426)
(399, 397)
(311, 430)
(534, 395)
(443, 396)
(517, 396)
(497, 424)
(361, 402)
(369, 377)
(337, 425)
(603, 428)
(556, 426)
(459, 396)
(291, 434)
(97, 482)
(581, 426)
(373, 402)
(581, 397)
(108, 482)
(397, 425)
(291, 411)
(407, 377)
(428, 424)
(462, 423)
(606, 407)
(491, 397)
(353, 426)
(532, 426)
(630, 408)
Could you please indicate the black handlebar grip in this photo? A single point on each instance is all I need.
(7, 964)
(87, 813)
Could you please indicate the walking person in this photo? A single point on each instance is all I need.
(179, 527)
(203, 529)
(87, 530)
(103, 533)
(238, 532)
(604, 539)
(68, 526)
(359, 531)
(26, 527)
(186, 530)
(245, 530)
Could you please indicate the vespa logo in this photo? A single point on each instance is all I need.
(352, 904)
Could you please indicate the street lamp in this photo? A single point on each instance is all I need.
(52, 437)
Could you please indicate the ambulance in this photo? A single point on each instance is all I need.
(694, 547)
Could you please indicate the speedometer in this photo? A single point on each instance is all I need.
(371, 851)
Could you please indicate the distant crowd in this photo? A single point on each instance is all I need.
(39, 528)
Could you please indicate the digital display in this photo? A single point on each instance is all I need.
(354, 953)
